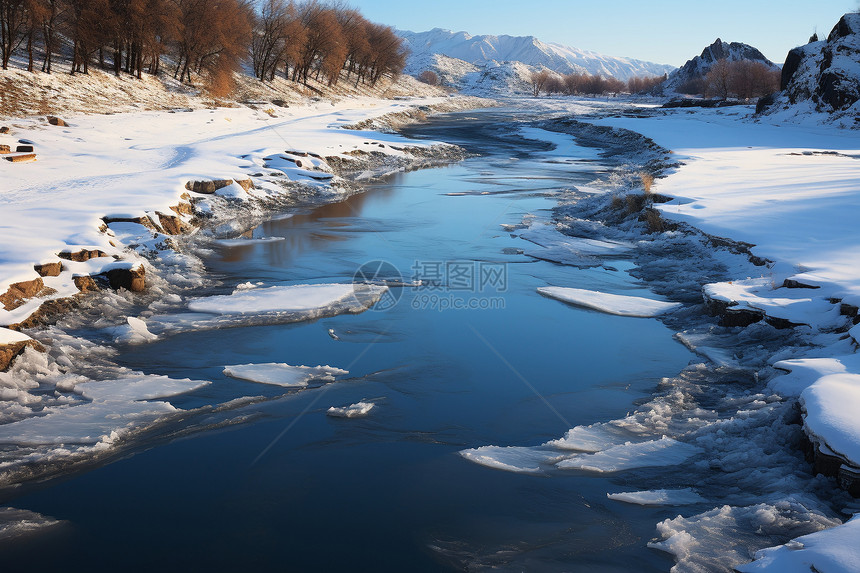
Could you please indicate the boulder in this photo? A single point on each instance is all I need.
(130, 279)
(82, 255)
(21, 158)
(4, 129)
(17, 293)
(172, 224)
(49, 269)
(5, 149)
(183, 208)
(85, 283)
(207, 187)
(247, 184)
(57, 121)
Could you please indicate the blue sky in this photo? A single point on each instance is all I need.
(663, 31)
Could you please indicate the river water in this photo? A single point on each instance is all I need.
(280, 485)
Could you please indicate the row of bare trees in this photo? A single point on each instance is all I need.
(743, 79)
(322, 40)
(211, 37)
(545, 81)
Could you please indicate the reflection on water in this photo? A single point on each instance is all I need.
(389, 492)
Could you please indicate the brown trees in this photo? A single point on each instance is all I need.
(208, 38)
(429, 77)
(743, 79)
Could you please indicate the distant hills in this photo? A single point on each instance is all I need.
(467, 61)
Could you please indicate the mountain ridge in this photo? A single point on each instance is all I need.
(489, 50)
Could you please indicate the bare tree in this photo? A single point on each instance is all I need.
(429, 77)
(717, 80)
(539, 80)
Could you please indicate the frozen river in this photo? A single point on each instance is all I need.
(474, 356)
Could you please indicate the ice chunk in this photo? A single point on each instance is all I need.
(723, 538)
(510, 458)
(135, 332)
(621, 305)
(138, 387)
(84, 424)
(630, 455)
(357, 410)
(288, 298)
(586, 439)
(16, 522)
(659, 497)
(281, 374)
(835, 550)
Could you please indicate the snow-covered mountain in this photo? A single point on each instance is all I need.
(699, 66)
(490, 51)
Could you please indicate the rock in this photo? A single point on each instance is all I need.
(846, 309)
(8, 352)
(129, 279)
(85, 283)
(764, 103)
(789, 68)
(826, 72)
(794, 283)
(699, 66)
(297, 153)
(82, 255)
(4, 129)
(172, 224)
(183, 208)
(49, 269)
(207, 187)
(21, 158)
(280, 103)
(18, 292)
(57, 121)
(247, 184)
(5, 149)
(144, 220)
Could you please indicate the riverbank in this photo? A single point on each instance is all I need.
(106, 193)
(752, 223)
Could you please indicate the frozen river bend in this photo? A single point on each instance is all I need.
(506, 362)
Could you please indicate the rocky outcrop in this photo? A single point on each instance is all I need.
(698, 67)
(53, 120)
(827, 72)
(82, 255)
(132, 279)
(17, 293)
(49, 269)
(8, 352)
(207, 187)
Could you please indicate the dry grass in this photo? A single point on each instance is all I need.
(647, 181)
(654, 221)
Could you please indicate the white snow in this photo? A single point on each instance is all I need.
(622, 305)
(830, 414)
(683, 496)
(357, 410)
(834, 550)
(281, 374)
(12, 336)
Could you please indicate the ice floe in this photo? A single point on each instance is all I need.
(663, 452)
(280, 374)
(17, 522)
(137, 387)
(622, 305)
(683, 496)
(357, 410)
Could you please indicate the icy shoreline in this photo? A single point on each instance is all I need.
(226, 171)
(737, 201)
